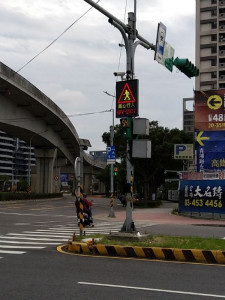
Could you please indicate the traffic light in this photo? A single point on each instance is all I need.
(126, 128)
(186, 67)
(115, 171)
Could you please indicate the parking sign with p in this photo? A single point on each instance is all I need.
(183, 151)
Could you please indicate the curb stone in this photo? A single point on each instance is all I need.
(168, 254)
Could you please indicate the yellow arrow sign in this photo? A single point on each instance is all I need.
(214, 102)
(201, 138)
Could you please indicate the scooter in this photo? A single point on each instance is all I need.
(87, 221)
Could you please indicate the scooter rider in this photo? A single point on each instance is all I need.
(87, 207)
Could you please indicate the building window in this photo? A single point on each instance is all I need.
(213, 49)
(213, 62)
(213, 25)
(213, 75)
(213, 1)
(213, 37)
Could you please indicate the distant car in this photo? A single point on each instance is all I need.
(137, 198)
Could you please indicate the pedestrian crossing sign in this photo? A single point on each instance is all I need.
(127, 98)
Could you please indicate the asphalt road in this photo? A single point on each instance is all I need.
(45, 273)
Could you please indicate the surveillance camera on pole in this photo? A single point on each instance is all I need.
(121, 74)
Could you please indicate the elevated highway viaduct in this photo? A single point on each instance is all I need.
(30, 115)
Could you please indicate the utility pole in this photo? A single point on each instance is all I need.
(111, 212)
(129, 34)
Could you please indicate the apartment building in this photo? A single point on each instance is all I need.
(210, 44)
(16, 159)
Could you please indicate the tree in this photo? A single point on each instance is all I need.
(149, 173)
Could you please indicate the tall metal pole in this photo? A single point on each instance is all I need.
(129, 35)
(128, 225)
(111, 213)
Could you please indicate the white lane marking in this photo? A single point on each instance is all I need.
(151, 289)
(20, 247)
(61, 237)
(27, 243)
(11, 252)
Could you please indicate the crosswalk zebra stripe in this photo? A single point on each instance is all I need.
(12, 252)
(20, 247)
(54, 230)
(38, 237)
(29, 238)
(28, 243)
(48, 233)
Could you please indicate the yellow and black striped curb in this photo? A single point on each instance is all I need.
(171, 254)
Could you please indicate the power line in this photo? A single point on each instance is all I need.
(90, 113)
(51, 43)
(67, 116)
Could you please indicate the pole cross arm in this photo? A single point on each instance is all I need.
(127, 29)
(107, 14)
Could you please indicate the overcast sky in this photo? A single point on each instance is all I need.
(79, 66)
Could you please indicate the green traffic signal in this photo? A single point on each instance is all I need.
(186, 67)
(126, 127)
(115, 171)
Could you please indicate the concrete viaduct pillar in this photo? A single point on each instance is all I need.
(47, 172)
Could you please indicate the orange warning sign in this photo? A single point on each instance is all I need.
(127, 98)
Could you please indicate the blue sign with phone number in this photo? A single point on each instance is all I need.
(202, 196)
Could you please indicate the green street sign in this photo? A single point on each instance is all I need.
(168, 56)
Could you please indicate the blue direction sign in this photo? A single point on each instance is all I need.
(210, 150)
(160, 42)
(111, 155)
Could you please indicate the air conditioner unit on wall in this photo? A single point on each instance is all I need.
(222, 27)
(222, 77)
(221, 15)
(222, 65)
(222, 52)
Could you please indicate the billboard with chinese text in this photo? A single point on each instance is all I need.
(202, 196)
(210, 110)
(211, 151)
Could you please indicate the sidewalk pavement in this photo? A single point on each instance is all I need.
(162, 215)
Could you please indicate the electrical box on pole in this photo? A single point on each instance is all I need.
(140, 126)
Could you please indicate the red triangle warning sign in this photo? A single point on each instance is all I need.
(126, 95)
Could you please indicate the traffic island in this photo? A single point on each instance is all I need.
(168, 254)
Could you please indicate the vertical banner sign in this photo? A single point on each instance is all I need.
(210, 146)
(160, 42)
(111, 155)
(127, 98)
(202, 196)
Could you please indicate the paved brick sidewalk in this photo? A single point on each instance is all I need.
(161, 215)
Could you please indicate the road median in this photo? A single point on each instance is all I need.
(158, 253)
